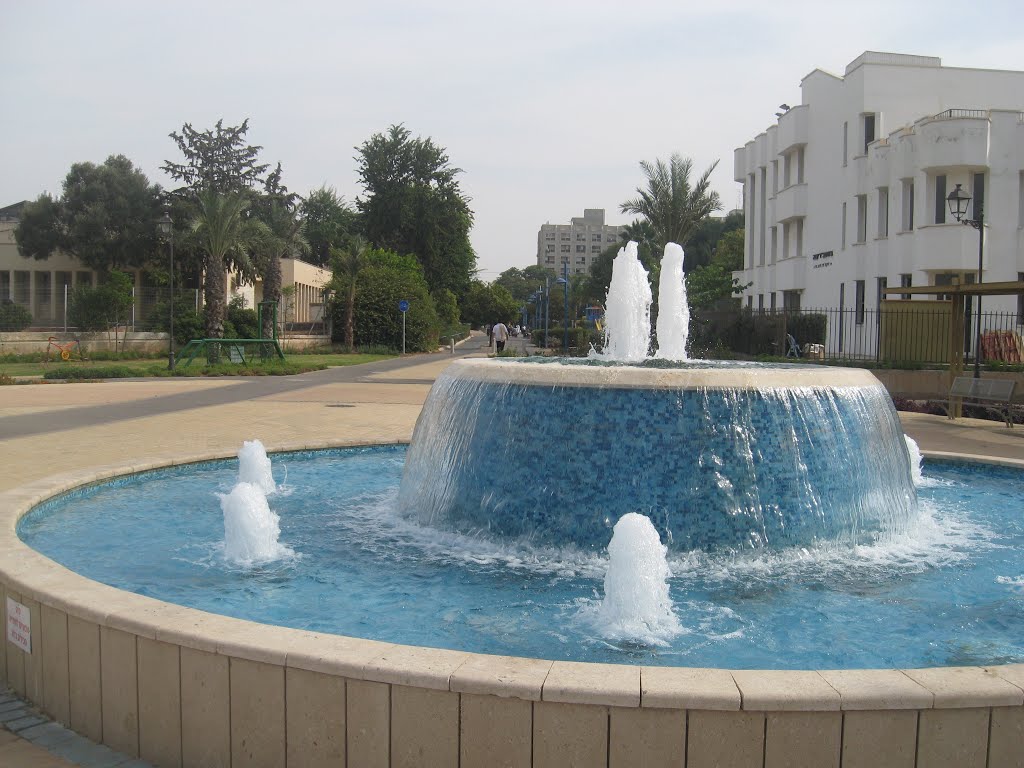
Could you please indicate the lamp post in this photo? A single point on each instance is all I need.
(547, 308)
(958, 201)
(166, 226)
(564, 280)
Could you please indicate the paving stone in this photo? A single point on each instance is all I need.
(86, 754)
(7, 706)
(14, 713)
(46, 734)
(22, 723)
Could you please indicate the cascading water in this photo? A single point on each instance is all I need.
(673, 311)
(719, 455)
(251, 528)
(636, 605)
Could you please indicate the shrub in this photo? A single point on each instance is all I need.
(580, 339)
(14, 317)
(98, 372)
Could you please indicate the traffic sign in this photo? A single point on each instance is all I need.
(403, 306)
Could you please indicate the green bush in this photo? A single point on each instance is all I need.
(14, 317)
(243, 322)
(580, 339)
(98, 372)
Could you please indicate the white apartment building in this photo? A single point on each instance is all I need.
(846, 194)
(577, 243)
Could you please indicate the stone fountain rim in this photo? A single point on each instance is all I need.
(33, 577)
(521, 372)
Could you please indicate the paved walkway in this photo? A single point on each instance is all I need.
(48, 429)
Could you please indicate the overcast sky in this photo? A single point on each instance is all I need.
(547, 106)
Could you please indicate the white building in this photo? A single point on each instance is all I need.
(846, 194)
(577, 244)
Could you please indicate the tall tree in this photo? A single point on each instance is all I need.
(220, 173)
(672, 204)
(327, 222)
(522, 282)
(217, 159)
(277, 209)
(414, 205)
(348, 263)
(225, 236)
(106, 217)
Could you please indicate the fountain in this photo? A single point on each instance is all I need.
(750, 480)
(717, 454)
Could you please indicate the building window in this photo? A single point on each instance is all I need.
(869, 130)
(581, 236)
(908, 205)
(564, 248)
(1020, 198)
(775, 176)
(775, 244)
(883, 283)
(565, 236)
(862, 218)
(581, 249)
(843, 227)
(549, 235)
(800, 165)
(846, 139)
(750, 302)
(906, 281)
(786, 227)
(799, 237)
(760, 302)
(581, 259)
(771, 298)
(550, 247)
(859, 298)
(940, 199)
(596, 237)
(883, 211)
(595, 249)
(786, 169)
(791, 301)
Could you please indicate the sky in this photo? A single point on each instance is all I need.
(547, 107)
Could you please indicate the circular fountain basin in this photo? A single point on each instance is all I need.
(175, 684)
(947, 591)
(723, 455)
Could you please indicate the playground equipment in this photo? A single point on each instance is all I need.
(64, 350)
(236, 350)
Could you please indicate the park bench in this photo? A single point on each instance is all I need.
(994, 395)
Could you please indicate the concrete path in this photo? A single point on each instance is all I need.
(48, 429)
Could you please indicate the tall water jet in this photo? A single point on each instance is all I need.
(251, 528)
(636, 604)
(254, 466)
(627, 317)
(916, 460)
(673, 311)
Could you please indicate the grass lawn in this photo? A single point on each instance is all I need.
(157, 366)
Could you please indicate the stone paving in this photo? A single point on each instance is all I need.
(48, 429)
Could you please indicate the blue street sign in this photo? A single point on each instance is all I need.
(403, 306)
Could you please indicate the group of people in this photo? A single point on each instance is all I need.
(499, 333)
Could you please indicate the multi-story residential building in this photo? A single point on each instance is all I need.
(576, 244)
(846, 194)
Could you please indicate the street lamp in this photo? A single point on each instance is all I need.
(166, 227)
(564, 280)
(958, 201)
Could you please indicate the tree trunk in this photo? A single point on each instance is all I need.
(350, 313)
(214, 297)
(271, 292)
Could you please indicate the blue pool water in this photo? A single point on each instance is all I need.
(948, 591)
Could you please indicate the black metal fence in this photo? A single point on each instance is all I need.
(898, 334)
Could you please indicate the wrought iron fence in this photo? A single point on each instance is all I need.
(903, 334)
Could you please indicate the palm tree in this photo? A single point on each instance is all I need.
(224, 236)
(283, 238)
(348, 264)
(673, 206)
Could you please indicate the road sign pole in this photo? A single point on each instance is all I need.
(403, 333)
(403, 307)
